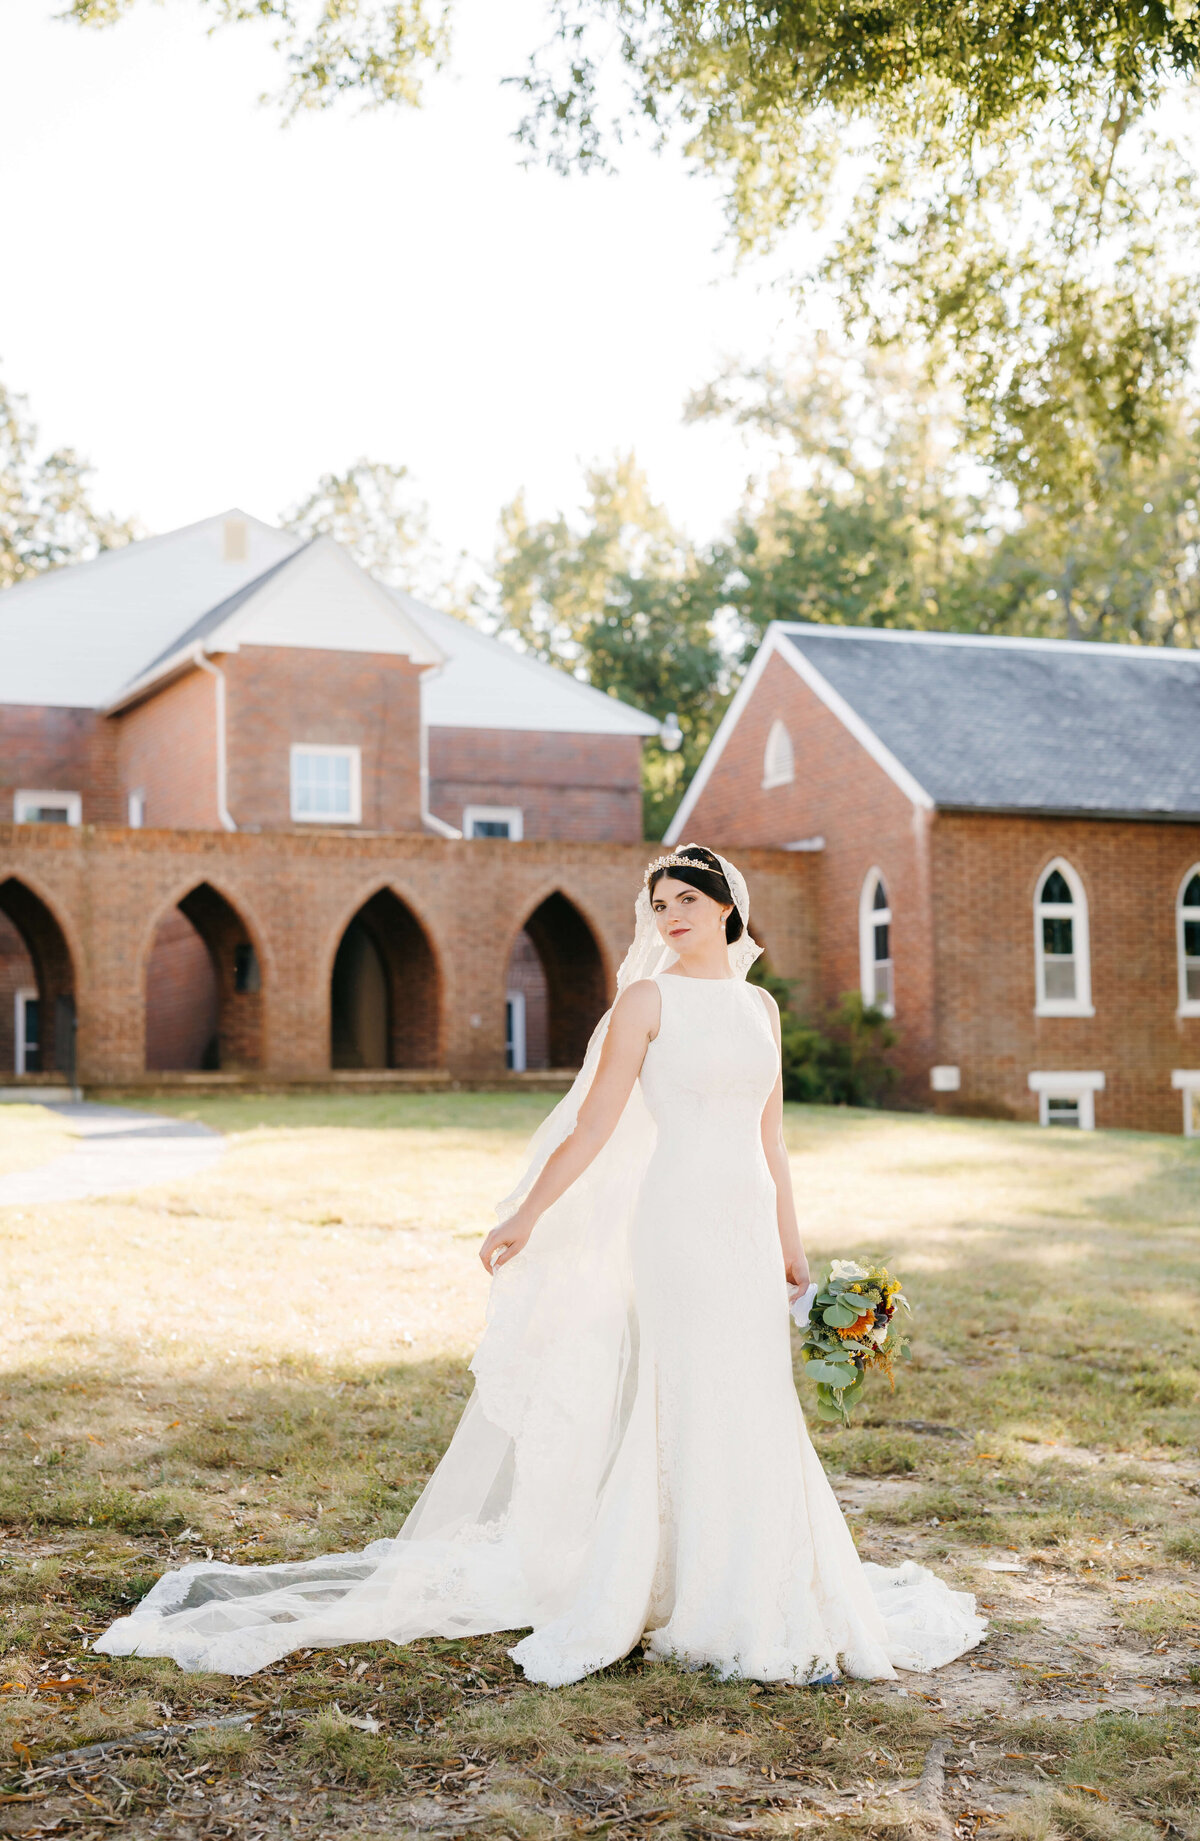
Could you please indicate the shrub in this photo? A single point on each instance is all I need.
(845, 1063)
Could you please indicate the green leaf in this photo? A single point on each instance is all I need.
(832, 1374)
(830, 1414)
(840, 1316)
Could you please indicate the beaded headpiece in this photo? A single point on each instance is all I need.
(675, 861)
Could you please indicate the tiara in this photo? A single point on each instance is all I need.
(675, 861)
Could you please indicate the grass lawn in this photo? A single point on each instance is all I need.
(267, 1363)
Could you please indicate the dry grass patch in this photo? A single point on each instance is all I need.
(266, 1365)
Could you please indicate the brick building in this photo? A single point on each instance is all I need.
(231, 680)
(1005, 838)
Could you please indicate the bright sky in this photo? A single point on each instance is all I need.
(215, 309)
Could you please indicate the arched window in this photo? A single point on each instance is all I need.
(779, 763)
(1188, 925)
(1063, 958)
(875, 944)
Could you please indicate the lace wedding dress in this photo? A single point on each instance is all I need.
(634, 1463)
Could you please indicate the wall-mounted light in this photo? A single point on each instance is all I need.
(670, 734)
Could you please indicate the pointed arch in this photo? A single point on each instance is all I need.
(385, 989)
(1187, 939)
(37, 981)
(1062, 943)
(557, 956)
(203, 986)
(779, 759)
(876, 971)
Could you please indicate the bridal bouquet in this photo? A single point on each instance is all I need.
(851, 1328)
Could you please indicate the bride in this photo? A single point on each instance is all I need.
(633, 1466)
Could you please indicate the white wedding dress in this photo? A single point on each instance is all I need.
(634, 1463)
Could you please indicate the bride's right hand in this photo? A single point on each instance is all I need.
(504, 1243)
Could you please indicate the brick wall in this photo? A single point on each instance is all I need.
(292, 895)
(568, 786)
(838, 793)
(166, 747)
(182, 1000)
(16, 974)
(280, 695)
(986, 872)
(60, 751)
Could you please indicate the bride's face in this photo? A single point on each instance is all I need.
(688, 920)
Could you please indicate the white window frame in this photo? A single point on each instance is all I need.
(136, 809)
(512, 815)
(354, 756)
(1076, 910)
(779, 757)
(1187, 1082)
(1060, 1084)
(869, 917)
(1188, 1006)
(517, 1000)
(70, 803)
(20, 999)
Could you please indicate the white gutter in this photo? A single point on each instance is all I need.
(214, 671)
(437, 825)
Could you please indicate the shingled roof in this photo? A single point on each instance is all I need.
(968, 722)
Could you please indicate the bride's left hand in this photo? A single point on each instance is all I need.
(796, 1273)
(504, 1243)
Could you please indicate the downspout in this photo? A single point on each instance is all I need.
(428, 818)
(214, 671)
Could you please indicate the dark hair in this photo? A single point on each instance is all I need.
(709, 878)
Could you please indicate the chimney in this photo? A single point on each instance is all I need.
(235, 540)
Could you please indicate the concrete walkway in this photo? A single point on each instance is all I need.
(118, 1150)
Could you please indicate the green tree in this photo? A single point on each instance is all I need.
(620, 599)
(373, 512)
(46, 512)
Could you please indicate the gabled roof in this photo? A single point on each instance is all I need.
(970, 722)
(76, 636)
(485, 684)
(96, 635)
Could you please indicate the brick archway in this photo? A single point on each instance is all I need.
(385, 990)
(572, 967)
(203, 987)
(35, 957)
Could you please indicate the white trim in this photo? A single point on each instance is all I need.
(777, 643)
(345, 752)
(218, 676)
(135, 808)
(511, 815)
(70, 803)
(870, 917)
(1187, 1082)
(945, 1079)
(20, 999)
(516, 999)
(1084, 648)
(779, 757)
(725, 728)
(1076, 911)
(1062, 1084)
(1188, 1006)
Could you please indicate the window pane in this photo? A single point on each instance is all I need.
(1054, 888)
(321, 785)
(1191, 938)
(489, 827)
(881, 900)
(1062, 1112)
(1060, 979)
(1192, 983)
(883, 985)
(881, 942)
(1191, 894)
(1057, 935)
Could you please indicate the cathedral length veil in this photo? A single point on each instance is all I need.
(498, 1537)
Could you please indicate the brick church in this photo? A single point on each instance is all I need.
(1005, 835)
(274, 820)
